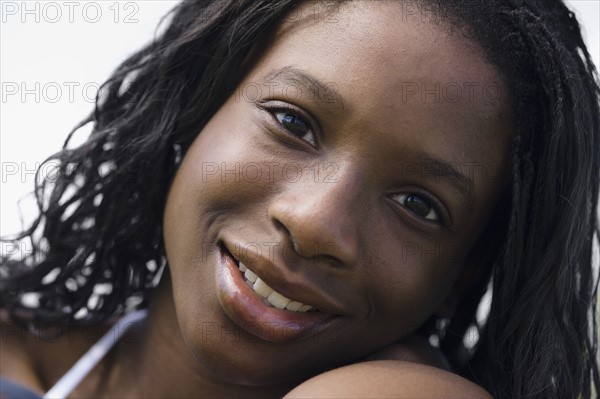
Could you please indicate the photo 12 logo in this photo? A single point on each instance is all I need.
(69, 11)
(49, 92)
(325, 172)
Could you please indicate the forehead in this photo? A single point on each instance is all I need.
(407, 81)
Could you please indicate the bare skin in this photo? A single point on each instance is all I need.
(375, 241)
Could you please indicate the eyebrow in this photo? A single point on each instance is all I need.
(438, 168)
(325, 92)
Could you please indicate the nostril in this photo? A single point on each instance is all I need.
(313, 231)
(296, 247)
(329, 259)
(280, 226)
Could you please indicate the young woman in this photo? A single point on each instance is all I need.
(311, 199)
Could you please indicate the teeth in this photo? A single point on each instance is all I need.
(278, 300)
(261, 288)
(242, 267)
(305, 308)
(273, 298)
(250, 275)
(293, 306)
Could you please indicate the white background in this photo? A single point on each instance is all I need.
(65, 47)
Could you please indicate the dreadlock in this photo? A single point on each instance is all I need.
(540, 339)
(101, 213)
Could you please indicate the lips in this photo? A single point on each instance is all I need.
(302, 287)
(271, 297)
(274, 317)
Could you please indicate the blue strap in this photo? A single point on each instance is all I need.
(14, 390)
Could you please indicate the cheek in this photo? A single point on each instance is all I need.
(196, 189)
(219, 177)
(213, 164)
(209, 177)
(410, 283)
(229, 167)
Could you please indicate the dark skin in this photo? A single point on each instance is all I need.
(376, 241)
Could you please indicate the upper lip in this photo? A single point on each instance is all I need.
(293, 285)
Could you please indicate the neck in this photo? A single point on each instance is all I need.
(159, 364)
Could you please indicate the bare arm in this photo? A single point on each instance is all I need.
(388, 379)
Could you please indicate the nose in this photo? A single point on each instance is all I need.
(321, 218)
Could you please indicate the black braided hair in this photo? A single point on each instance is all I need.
(540, 339)
(100, 214)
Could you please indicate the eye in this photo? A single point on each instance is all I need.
(296, 125)
(419, 206)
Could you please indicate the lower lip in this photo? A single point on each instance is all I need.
(248, 311)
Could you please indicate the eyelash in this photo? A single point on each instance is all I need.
(435, 207)
(298, 114)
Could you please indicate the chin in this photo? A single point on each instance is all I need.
(243, 363)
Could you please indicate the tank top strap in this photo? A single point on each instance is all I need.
(92, 357)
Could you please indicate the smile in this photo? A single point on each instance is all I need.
(271, 297)
(274, 315)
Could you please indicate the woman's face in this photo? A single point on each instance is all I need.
(353, 170)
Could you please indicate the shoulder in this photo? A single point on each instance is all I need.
(16, 361)
(37, 360)
(387, 379)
